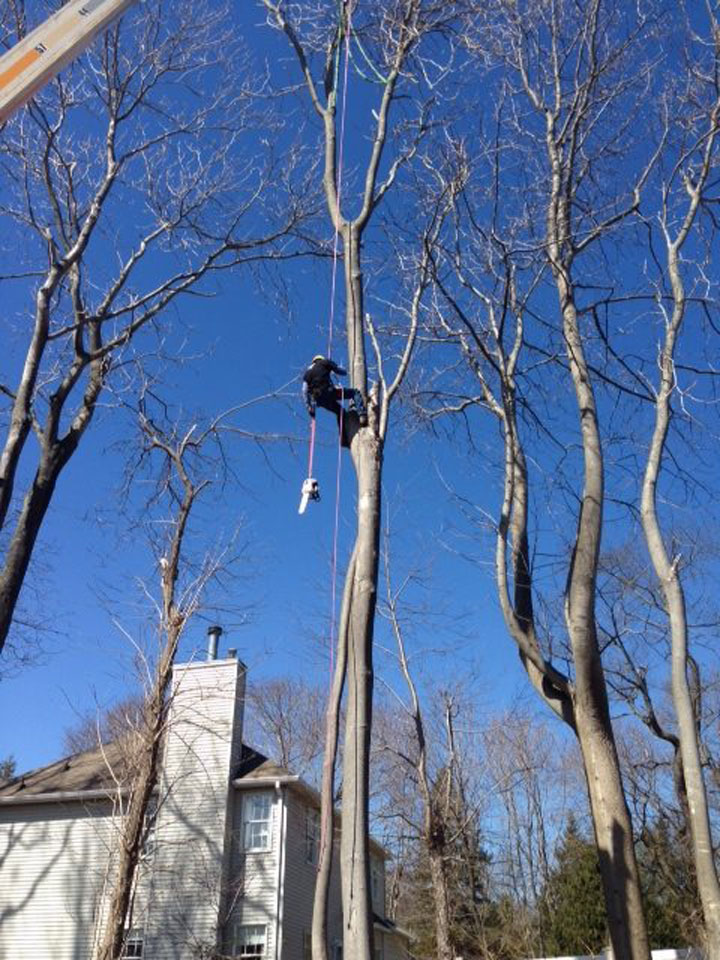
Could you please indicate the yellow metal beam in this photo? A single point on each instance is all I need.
(39, 56)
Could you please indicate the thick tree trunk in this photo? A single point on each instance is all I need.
(667, 572)
(613, 830)
(441, 901)
(611, 817)
(27, 527)
(132, 829)
(367, 458)
(327, 794)
(355, 850)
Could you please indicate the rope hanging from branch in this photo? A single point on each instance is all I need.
(338, 194)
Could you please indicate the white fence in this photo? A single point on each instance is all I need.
(688, 954)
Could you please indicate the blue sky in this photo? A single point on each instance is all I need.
(244, 345)
(284, 576)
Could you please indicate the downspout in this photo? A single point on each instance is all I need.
(280, 878)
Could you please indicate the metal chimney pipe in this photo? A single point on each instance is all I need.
(214, 634)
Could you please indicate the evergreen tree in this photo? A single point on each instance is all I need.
(466, 864)
(672, 904)
(572, 909)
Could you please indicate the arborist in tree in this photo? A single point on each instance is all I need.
(320, 391)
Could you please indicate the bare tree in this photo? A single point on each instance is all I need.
(164, 188)
(570, 76)
(538, 781)
(189, 455)
(100, 726)
(689, 183)
(7, 767)
(634, 628)
(437, 794)
(391, 39)
(285, 719)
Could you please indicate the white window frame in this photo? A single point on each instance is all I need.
(249, 935)
(149, 838)
(255, 839)
(133, 940)
(312, 835)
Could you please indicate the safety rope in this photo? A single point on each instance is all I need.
(312, 447)
(338, 192)
(327, 818)
(338, 185)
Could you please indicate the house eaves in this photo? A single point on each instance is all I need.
(267, 774)
(389, 927)
(68, 796)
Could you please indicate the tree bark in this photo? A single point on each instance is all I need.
(668, 575)
(611, 817)
(176, 610)
(366, 448)
(327, 793)
(354, 847)
(441, 901)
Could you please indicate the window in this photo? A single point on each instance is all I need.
(250, 941)
(312, 835)
(147, 849)
(256, 821)
(307, 945)
(133, 946)
(376, 880)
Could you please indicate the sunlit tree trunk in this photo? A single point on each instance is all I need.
(667, 567)
(404, 30)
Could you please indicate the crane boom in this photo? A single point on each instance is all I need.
(39, 56)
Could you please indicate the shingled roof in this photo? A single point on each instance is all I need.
(106, 768)
(100, 769)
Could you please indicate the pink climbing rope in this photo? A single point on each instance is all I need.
(312, 447)
(338, 191)
(326, 825)
(338, 186)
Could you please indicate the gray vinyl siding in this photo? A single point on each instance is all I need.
(377, 884)
(200, 882)
(253, 879)
(186, 877)
(54, 857)
(299, 887)
(54, 860)
(390, 946)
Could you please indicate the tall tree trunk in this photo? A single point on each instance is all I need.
(400, 36)
(132, 829)
(175, 616)
(441, 902)
(27, 527)
(327, 793)
(435, 828)
(611, 817)
(366, 453)
(673, 592)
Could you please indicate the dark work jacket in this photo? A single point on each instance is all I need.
(317, 376)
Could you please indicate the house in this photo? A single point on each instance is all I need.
(229, 859)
